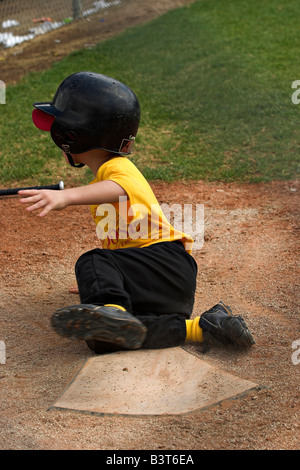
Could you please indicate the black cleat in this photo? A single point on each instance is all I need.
(220, 326)
(103, 323)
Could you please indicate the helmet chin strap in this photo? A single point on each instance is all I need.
(71, 161)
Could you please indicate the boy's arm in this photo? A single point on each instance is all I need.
(92, 194)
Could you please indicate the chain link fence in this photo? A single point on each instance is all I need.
(22, 20)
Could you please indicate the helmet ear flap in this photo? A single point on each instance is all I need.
(70, 137)
(65, 139)
(62, 137)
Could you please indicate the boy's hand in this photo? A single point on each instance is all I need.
(102, 192)
(44, 199)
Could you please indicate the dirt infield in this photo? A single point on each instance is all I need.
(250, 260)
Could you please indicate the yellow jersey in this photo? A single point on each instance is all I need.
(136, 220)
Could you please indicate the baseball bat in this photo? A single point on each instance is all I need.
(11, 191)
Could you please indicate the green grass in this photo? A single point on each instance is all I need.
(214, 82)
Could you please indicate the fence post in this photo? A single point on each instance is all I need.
(77, 9)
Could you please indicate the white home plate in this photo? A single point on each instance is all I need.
(149, 382)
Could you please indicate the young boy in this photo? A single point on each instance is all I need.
(138, 290)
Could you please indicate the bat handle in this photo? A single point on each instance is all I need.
(10, 192)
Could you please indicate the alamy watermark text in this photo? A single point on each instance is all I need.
(2, 92)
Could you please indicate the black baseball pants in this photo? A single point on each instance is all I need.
(155, 283)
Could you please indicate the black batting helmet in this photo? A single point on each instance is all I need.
(89, 111)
